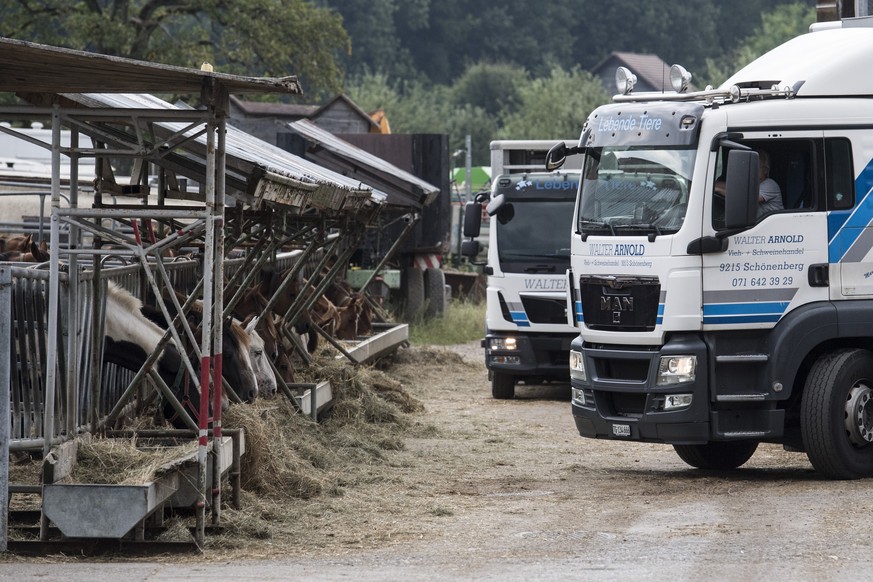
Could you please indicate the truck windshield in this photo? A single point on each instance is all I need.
(635, 190)
(537, 238)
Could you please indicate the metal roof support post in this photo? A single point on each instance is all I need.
(207, 330)
(5, 385)
(413, 220)
(54, 287)
(74, 340)
(218, 309)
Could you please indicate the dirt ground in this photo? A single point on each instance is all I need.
(494, 490)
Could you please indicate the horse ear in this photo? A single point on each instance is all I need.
(250, 322)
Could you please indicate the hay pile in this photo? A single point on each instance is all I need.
(124, 461)
(288, 455)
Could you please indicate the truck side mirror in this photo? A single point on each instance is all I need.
(470, 248)
(741, 189)
(472, 219)
(556, 156)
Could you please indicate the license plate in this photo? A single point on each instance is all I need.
(621, 430)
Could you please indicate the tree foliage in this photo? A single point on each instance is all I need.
(438, 41)
(253, 37)
(778, 26)
(491, 70)
(555, 106)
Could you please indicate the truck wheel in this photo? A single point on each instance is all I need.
(414, 292)
(502, 386)
(435, 291)
(836, 414)
(718, 455)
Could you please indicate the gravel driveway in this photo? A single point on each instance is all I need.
(508, 490)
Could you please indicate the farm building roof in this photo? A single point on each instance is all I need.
(402, 187)
(37, 68)
(248, 158)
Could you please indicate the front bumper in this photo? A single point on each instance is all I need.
(621, 399)
(543, 354)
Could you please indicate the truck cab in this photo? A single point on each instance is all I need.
(722, 259)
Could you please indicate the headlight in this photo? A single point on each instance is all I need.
(676, 369)
(577, 366)
(502, 343)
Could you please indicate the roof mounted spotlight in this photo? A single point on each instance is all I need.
(624, 80)
(679, 78)
(735, 94)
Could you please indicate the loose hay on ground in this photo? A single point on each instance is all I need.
(289, 455)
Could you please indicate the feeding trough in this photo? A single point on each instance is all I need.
(95, 510)
(388, 337)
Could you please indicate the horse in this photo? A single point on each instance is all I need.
(264, 375)
(129, 338)
(251, 306)
(355, 315)
(237, 366)
(23, 249)
(20, 242)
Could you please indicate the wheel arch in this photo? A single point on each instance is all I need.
(807, 333)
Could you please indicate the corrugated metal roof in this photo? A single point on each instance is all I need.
(35, 68)
(403, 188)
(262, 109)
(247, 156)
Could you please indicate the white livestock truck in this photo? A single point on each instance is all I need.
(527, 337)
(711, 322)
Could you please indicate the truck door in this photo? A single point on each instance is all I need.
(781, 262)
(850, 235)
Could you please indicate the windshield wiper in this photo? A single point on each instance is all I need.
(597, 224)
(646, 226)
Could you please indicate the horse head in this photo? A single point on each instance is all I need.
(264, 375)
(236, 365)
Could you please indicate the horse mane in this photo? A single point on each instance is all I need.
(239, 333)
(124, 297)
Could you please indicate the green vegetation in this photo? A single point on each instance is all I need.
(248, 37)
(499, 70)
(464, 322)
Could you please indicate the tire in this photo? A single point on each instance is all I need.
(502, 386)
(836, 414)
(718, 456)
(435, 292)
(414, 293)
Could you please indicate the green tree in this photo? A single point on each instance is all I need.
(554, 107)
(783, 23)
(494, 88)
(416, 107)
(253, 37)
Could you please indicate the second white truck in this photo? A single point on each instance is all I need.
(527, 336)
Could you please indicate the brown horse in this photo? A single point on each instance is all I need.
(355, 317)
(252, 303)
(23, 249)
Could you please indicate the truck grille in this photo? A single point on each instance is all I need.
(545, 310)
(614, 303)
